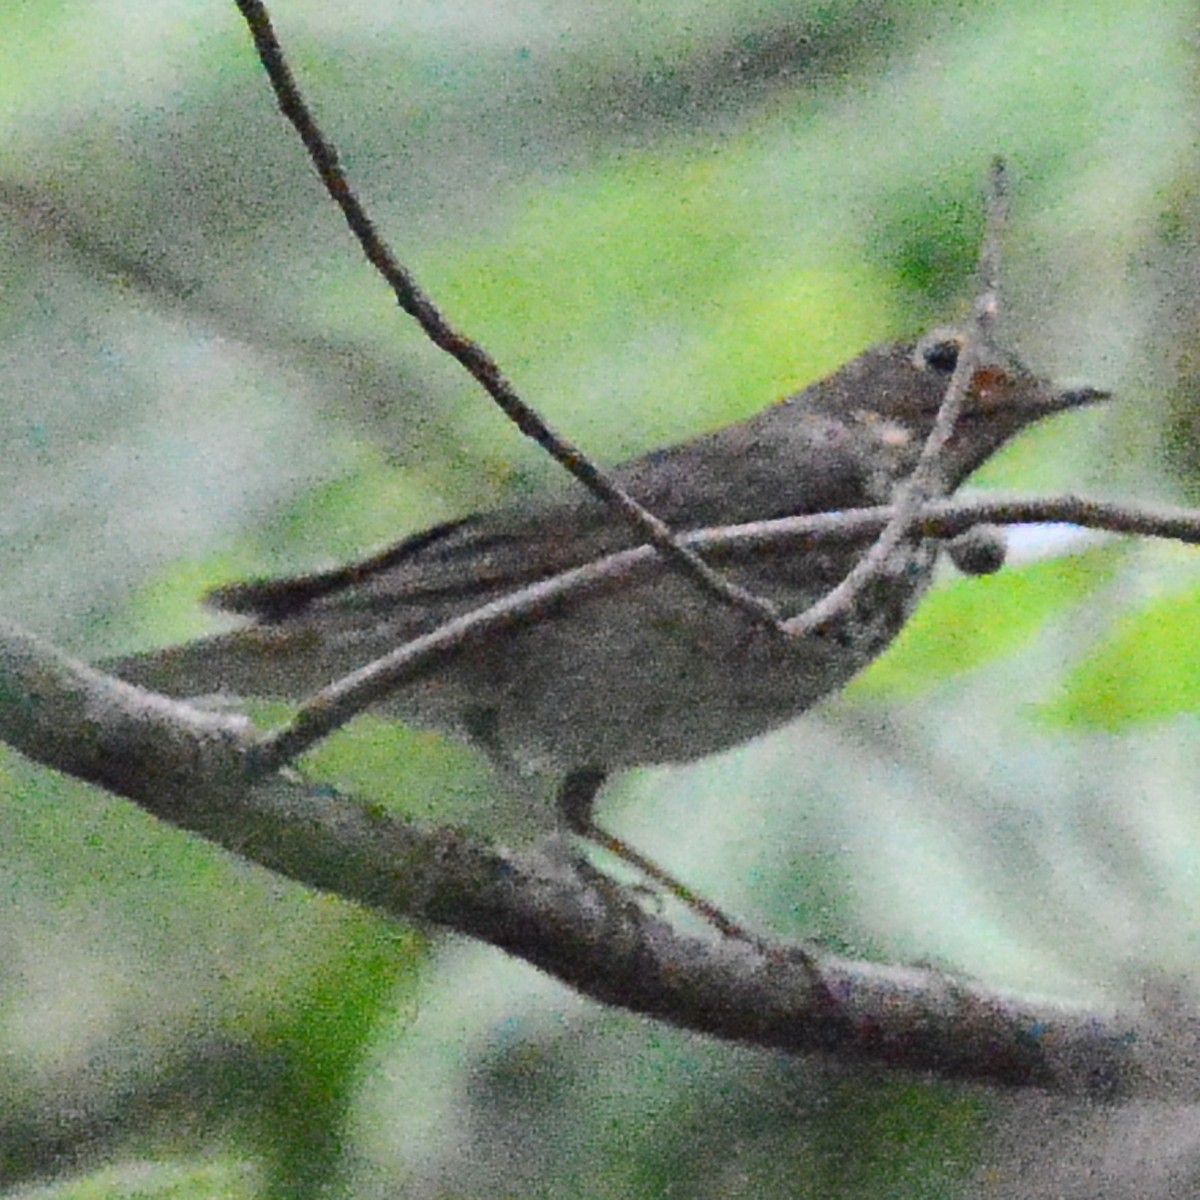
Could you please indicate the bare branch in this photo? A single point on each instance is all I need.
(479, 364)
(335, 705)
(564, 917)
(915, 490)
(988, 304)
(921, 484)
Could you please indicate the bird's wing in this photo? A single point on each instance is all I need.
(720, 478)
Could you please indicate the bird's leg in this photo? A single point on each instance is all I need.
(576, 796)
(483, 726)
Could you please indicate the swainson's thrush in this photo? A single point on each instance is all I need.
(657, 671)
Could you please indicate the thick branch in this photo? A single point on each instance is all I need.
(189, 768)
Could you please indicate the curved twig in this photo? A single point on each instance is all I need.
(921, 485)
(335, 705)
(473, 357)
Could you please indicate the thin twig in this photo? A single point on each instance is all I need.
(335, 705)
(911, 495)
(478, 363)
(988, 304)
(921, 484)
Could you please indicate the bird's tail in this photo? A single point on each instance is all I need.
(257, 662)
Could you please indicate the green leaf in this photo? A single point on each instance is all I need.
(1148, 669)
(146, 1179)
(979, 619)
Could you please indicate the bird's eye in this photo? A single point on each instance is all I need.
(943, 356)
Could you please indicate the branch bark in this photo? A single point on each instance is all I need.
(196, 770)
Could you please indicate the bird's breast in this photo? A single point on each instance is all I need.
(659, 673)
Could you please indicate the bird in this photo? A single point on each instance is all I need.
(656, 671)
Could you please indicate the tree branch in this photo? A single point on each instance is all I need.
(335, 705)
(478, 362)
(190, 768)
(921, 485)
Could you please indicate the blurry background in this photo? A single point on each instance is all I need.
(660, 218)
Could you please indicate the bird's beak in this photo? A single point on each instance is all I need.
(1075, 398)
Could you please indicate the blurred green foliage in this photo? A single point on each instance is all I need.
(660, 218)
(981, 619)
(1146, 669)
